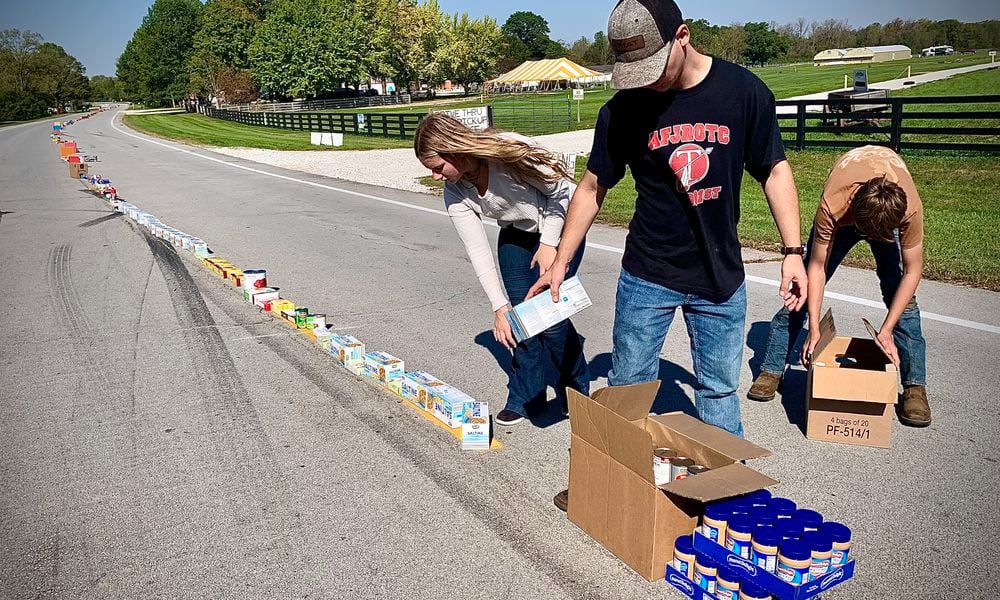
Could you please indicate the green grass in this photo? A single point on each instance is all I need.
(961, 212)
(785, 81)
(202, 130)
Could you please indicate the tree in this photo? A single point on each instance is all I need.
(104, 89)
(472, 50)
(556, 49)
(515, 52)
(763, 44)
(153, 67)
(532, 30)
(16, 51)
(832, 34)
(599, 52)
(578, 50)
(731, 43)
(227, 28)
(59, 76)
(306, 48)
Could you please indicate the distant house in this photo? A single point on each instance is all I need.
(868, 54)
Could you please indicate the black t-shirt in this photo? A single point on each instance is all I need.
(687, 150)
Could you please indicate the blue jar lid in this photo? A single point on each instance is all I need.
(706, 561)
(765, 515)
(783, 506)
(766, 535)
(840, 533)
(789, 528)
(809, 518)
(684, 544)
(720, 511)
(742, 523)
(752, 591)
(818, 541)
(740, 504)
(727, 574)
(794, 550)
(759, 498)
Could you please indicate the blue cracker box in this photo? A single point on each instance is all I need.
(449, 405)
(417, 388)
(386, 370)
(349, 352)
(776, 587)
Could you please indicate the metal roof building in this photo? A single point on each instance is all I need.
(846, 56)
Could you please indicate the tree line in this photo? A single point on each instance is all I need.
(239, 50)
(37, 76)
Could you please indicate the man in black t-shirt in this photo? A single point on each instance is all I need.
(687, 125)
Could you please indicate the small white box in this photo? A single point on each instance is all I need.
(534, 316)
(386, 370)
(349, 352)
(476, 426)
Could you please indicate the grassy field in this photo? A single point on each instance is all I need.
(785, 81)
(202, 130)
(961, 212)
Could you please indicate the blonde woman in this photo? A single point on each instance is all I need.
(527, 190)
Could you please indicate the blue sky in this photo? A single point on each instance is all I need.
(96, 31)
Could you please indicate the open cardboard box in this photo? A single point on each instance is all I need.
(852, 390)
(612, 492)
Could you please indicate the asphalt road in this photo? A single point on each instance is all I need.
(162, 439)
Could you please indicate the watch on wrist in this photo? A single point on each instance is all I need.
(798, 250)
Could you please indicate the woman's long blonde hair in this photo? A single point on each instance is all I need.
(444, 136)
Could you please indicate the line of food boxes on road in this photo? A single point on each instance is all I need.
(453, 408)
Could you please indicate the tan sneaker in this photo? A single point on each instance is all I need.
(764, 387)
(916, 411)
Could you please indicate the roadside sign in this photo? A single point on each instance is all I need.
(479, 117)
(860, 80)
(577, 94)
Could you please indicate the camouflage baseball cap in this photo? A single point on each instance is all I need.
(641, 34)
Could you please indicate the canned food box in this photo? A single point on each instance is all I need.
(449, 404)
(417, 386)
(349, 351)
(385, 369)
(264, 297)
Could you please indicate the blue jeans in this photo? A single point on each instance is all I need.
(558, 349)
(786, 326)
(643, 313)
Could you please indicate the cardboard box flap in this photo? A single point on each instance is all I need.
(632, 402)
(854, 385)
(827, 331)
(874, 335)
(717, 439)
(724, 482)
(624, 441)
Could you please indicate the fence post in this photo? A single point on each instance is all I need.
(800, 127)
(895, 133)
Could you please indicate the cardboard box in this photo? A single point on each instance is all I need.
(386, 370)
(852, 390)
(76, 170)
(534, 316)
(613, 495)
(449, 405)
(280, 305)
(349, 352)
(417, 388)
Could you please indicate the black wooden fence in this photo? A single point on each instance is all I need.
(381, 125)
(839, 123)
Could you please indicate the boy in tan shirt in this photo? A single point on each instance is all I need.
(869, 196)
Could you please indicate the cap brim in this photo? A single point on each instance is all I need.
(629, 75)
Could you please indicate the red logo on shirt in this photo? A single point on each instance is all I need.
(690, 164)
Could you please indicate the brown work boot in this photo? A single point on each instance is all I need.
(764, 387)
(562, 500)
(916, 412)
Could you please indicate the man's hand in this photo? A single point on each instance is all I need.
(552, 279)
(809, 347)
(793, 289)
(543, 258)
(884, 339)
(501, 328)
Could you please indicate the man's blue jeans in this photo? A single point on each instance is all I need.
(558, 349)
(643, 313)
(786, 326)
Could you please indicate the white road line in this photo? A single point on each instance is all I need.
(613, 249)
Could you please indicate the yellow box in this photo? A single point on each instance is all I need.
(281, 305)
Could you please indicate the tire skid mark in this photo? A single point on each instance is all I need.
(242, 443)
(483, 507)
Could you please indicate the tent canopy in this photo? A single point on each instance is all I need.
(553, 69)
